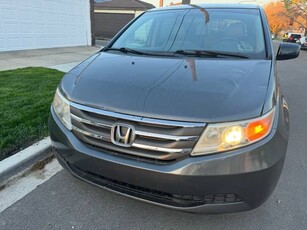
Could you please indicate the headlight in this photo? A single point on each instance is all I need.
(62, 109)
(227, 136)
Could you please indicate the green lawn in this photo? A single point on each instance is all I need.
(25, 98)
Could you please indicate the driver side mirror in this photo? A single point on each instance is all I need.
(288, 51)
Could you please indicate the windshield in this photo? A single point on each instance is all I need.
(236, 31)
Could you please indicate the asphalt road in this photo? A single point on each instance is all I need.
(64, 202)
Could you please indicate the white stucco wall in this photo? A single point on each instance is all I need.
(33, 24)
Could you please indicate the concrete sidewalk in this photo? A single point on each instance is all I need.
(59, 58)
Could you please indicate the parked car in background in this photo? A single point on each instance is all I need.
(182, 109)
(303, 43)
(294, 38)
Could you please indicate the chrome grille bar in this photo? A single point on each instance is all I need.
(98, 124)
(166, 137)
(159, 149)
(137, 118)
(91, 134)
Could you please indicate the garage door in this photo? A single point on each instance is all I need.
(108, 24)
(36, 24)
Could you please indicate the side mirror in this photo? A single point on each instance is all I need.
(288, 51)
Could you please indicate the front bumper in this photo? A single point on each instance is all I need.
(234, 181)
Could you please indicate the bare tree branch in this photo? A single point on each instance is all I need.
(302, 9)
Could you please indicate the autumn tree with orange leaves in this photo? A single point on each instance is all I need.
(276, 14)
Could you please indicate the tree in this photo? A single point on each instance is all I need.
(276, 14)
(297, 9)
(186, 1)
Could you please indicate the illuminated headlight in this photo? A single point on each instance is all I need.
(227, 136)
(62, 109)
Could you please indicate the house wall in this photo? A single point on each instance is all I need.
(135, 12)
(33, 24)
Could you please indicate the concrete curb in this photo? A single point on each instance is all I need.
(24, 159)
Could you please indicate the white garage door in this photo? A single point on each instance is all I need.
(33, 24)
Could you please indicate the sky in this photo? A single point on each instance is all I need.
(167, 2)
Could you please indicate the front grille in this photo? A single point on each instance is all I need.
(175, 200)
(157, 140)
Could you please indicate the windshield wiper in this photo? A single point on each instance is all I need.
(200, 53)
(129, 50)
(126, 50)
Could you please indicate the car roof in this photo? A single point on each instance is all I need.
(209, 6)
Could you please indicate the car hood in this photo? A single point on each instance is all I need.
(192, 89)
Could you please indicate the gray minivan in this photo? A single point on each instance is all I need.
(182, 109)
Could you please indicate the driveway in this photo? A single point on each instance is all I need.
(64, 202)
(52, 58)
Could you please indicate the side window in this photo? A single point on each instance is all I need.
(142, 34)
(152, 31)
(165, 28)
(137, 34)
(153, 34)
(164, 32)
